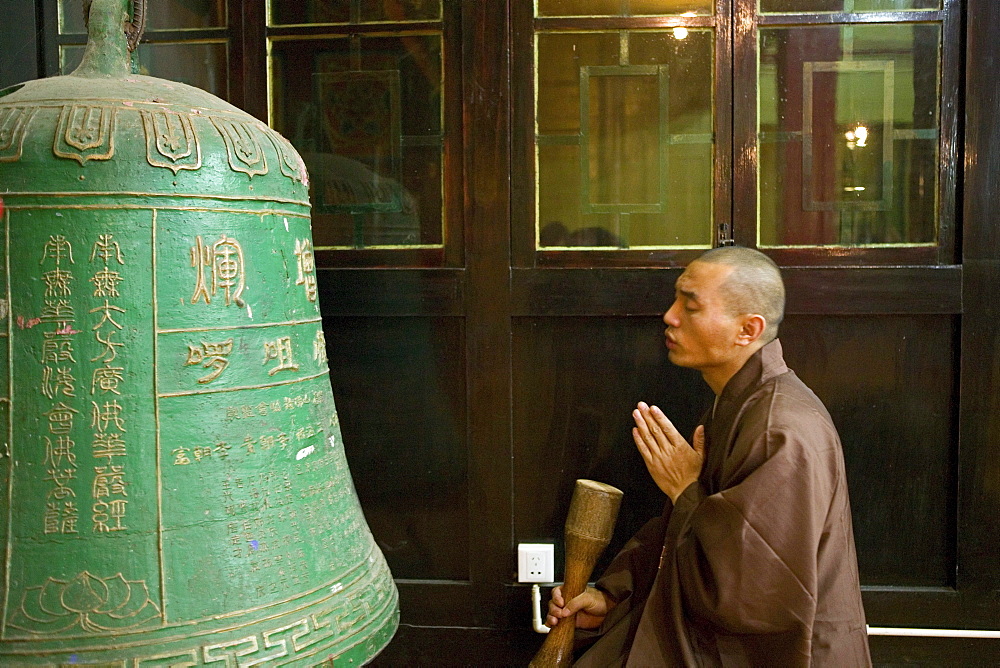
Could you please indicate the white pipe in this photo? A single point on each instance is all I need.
(931, 633)
(536, 610)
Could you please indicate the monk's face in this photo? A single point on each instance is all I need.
(701, 331)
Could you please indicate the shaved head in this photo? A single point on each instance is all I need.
(754, 286)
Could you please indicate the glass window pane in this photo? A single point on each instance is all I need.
(368, 123)
(161, 15)
(628, 8)
(849, 126)
(355, 11)
(624, 140)
(310, 11)
(808, 6)
(200, 64)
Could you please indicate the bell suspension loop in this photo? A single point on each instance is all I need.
(114, 29)
(134, 30)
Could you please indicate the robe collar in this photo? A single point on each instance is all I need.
(763, 365)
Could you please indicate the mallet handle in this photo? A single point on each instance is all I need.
(589, 526)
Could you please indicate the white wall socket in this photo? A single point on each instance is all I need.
(535, 562)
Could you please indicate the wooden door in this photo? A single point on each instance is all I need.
(833, 129)
(588, 151)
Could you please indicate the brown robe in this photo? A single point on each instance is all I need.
(755, 564)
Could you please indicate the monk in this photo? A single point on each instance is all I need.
(752, 562)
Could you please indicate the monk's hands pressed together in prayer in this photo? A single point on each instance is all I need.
(591, 607)
(671, 460)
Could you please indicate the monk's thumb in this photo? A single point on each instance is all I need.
(699, 440)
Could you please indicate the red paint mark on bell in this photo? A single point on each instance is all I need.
(66, 329)
(27, 323)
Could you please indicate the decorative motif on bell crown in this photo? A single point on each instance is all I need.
(289, 161)
(86, 132)
(171, 135)
(245, 152)
(13, 123)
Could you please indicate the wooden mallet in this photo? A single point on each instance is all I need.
(589, 525)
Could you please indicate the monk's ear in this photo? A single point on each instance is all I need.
(752, 329)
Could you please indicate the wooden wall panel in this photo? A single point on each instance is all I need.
(400, 393)
(888, 381)
(577, 381)
(979, 543)
(891, 386)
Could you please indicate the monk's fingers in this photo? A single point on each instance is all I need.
(553, 616)
(664, 424)
(651, 445)
(583, 601)
(655, 430)
(640, 444)
(555, 611)
(640, 424)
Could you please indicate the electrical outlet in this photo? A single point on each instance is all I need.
(535, 562)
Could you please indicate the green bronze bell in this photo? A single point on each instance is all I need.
(173, 487)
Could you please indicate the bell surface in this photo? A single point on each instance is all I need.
(175, 490)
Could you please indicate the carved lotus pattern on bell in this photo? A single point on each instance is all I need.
(92, 603)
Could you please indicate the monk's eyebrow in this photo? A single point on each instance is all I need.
(688, 294)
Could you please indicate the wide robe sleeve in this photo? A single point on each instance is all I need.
(745, 558)
(628, 580)
(632, 570)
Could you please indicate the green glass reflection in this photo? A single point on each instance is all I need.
(623, 7)
(368, 123)
(810, 6)
(624, 140)
(199, 64)
(848, 135)
(353, 11)
(618, 173)
(162, 15)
